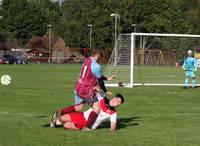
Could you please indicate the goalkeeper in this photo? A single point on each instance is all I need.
(190, 67)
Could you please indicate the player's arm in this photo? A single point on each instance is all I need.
(96, 71)
(113, 121)
(100, 78)
(113, 126)
(70, 126)
(195, 65)
(184, 64)
(102, 84)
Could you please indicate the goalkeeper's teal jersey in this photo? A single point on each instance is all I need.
(190, 64)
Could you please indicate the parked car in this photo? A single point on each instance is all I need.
(14, 60)
(3, 60)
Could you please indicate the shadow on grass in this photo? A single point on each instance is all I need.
(40, 117)
(48, 126)
(121, 123)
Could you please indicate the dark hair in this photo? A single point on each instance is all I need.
(120, 96)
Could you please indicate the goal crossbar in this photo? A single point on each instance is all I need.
(165, 34)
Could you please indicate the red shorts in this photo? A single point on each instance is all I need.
(78, 119)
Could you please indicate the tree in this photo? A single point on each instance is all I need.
(191, 9)
(164, 16)
(27, 18)
(70, 20)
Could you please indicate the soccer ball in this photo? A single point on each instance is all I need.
(120, 84)
(5, 80)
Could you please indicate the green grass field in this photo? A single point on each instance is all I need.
(149, 74)
(150, 116)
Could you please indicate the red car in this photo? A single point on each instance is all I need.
(3, 60)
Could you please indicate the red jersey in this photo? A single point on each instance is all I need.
(87, 81)
(106, 112)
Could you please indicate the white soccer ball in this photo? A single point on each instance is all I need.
(5, 80)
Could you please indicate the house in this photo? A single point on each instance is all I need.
(37, 55)
(73, 57)
(57, 46)
(58, 52)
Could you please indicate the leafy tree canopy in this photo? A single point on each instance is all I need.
(30, 17)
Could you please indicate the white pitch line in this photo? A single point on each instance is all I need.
(23, 114)
(20, 114)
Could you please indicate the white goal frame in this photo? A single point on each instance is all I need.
(133, 35)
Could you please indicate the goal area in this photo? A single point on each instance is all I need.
(150, 59)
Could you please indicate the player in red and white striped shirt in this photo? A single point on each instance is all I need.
(84, 91)
(77, 120)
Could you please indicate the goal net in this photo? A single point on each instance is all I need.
(150, 59)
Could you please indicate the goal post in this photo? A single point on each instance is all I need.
(150, 59)
(132, 59)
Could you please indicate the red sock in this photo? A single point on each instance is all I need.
(68, 109)
(91, 119)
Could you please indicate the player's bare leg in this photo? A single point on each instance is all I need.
(65, 118)
(79, 107)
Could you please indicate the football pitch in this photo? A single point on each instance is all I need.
(150, 116)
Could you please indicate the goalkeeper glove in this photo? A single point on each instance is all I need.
(195, 69)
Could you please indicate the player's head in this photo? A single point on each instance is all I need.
(189, 52)
(117, 100)
(96, 53)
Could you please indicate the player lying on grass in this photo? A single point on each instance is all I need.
(77, 120)
(190, 67)
(89, 76)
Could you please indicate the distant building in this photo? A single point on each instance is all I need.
(37, 55)
(58, 51)
(57, 48)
